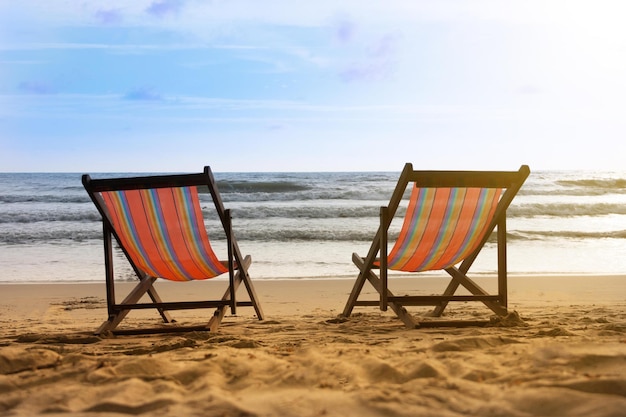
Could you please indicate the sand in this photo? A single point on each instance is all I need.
(565, 357)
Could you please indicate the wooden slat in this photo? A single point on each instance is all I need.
(138, 183)
(179, 305)
(176, 305)
(429, 300)
(487, 179)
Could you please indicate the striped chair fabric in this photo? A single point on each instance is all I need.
(163, 232)
(442, 226)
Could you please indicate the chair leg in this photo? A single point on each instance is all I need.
(357, 288)
(135, 295)
(450, 290)
(475, 289)
(251, 291)
(219, 314)
(156, 298)
(376, 282)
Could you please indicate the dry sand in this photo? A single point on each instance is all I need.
(567, 358)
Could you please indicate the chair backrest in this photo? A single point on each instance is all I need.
(162, 231)
(450, 216)
(443, 226)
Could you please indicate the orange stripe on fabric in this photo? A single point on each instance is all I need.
(447, 232)
(487, 207)
(141, 208)
(431, 229)
(192, 247)
(452, 224)
(160, 211)
(163, 232)
(467, 208)
(413, 228)
(179, 234)
(126, 228)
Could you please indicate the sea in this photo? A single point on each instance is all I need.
(307, 225)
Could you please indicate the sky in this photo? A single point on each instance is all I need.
(324, 85)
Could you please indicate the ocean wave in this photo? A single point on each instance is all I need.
(88, 213)
(572, 192)
(317, 212)
(49, 216)
(284, 235)
(44, 198)
(372, 210)
(604, 183)
(295, 235)
(565, 234)
(251, 187)
(576, 187)
(565, 209)
(49, 236)
(308, 194)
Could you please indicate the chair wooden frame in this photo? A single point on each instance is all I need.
(376, 258)
(237, 264)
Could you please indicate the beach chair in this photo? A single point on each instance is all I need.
(157, 222)
(449, 218)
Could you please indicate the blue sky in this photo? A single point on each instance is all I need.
(173, 85)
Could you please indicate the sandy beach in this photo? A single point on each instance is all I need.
(565, 357)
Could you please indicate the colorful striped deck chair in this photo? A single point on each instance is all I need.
(449, 218)
(158, 224)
